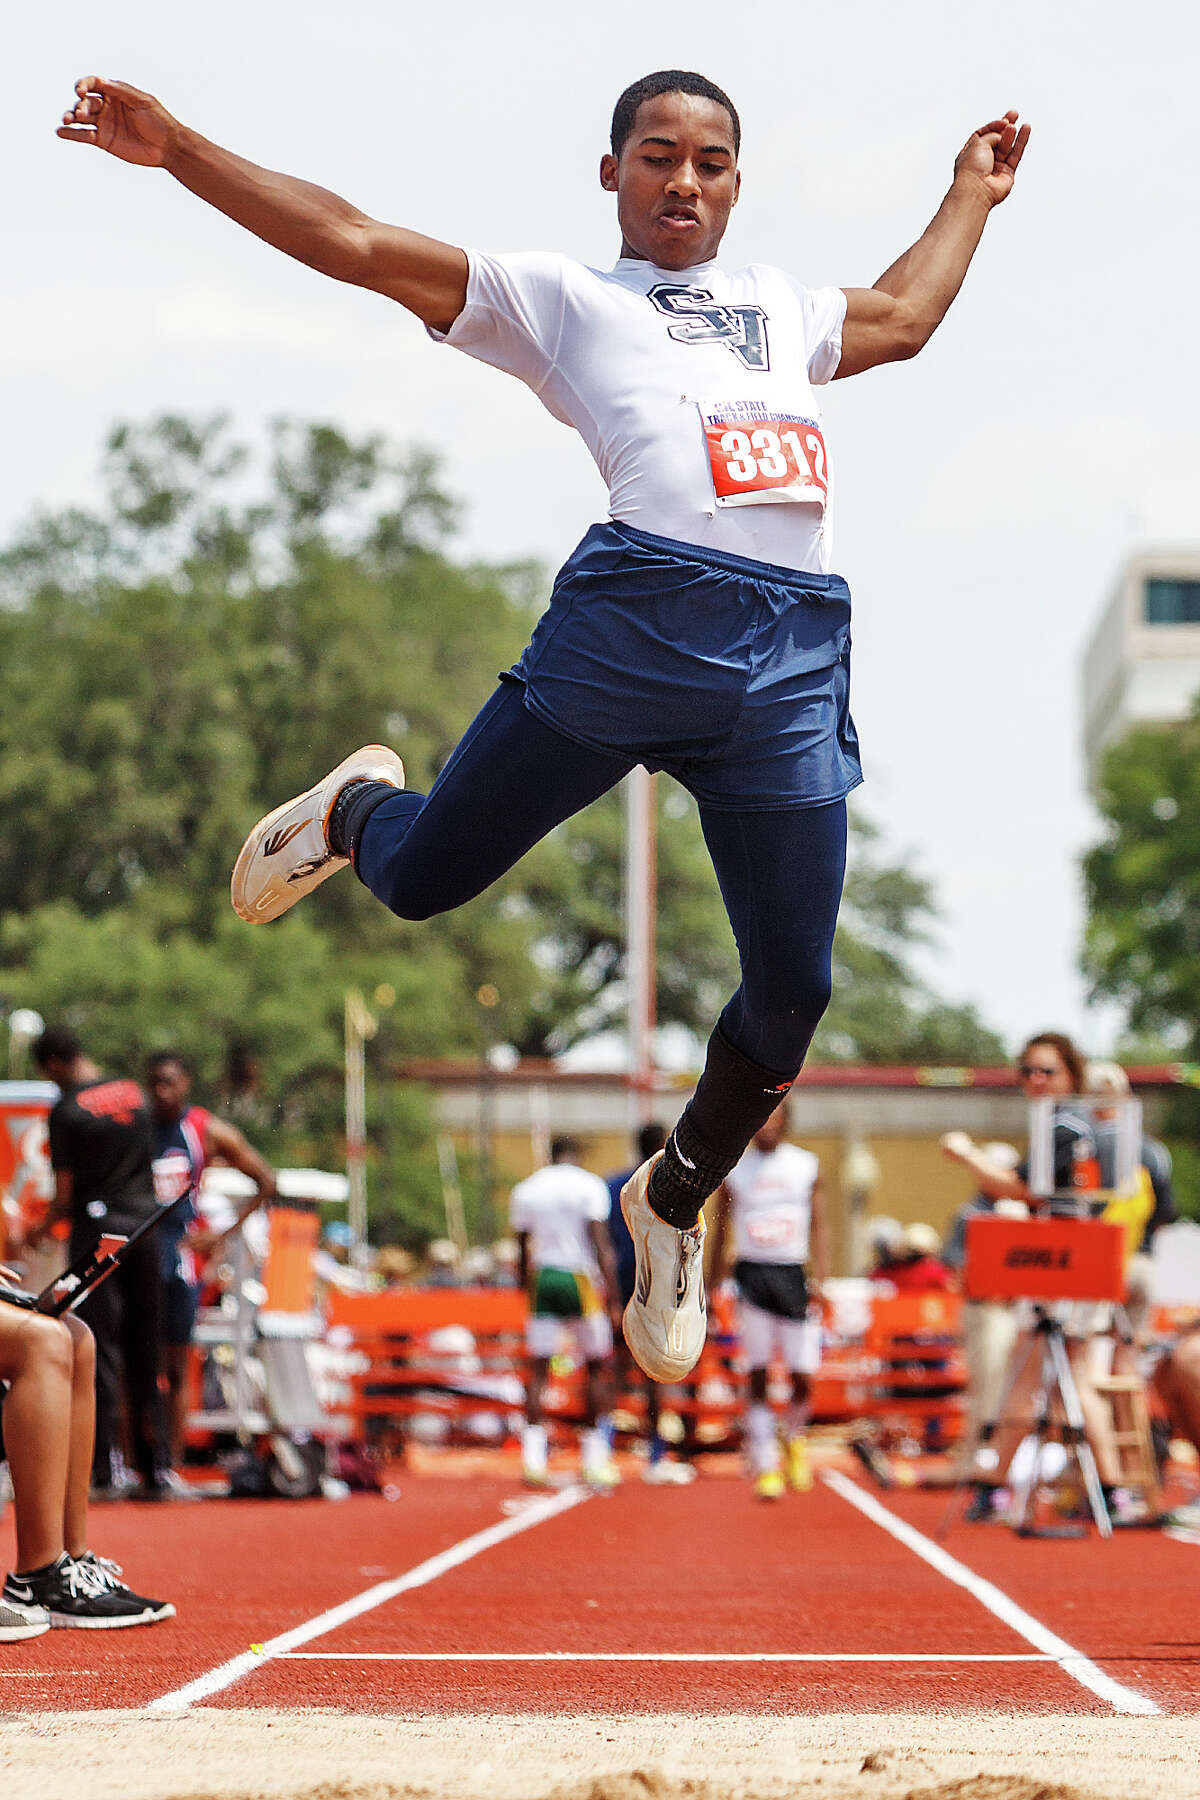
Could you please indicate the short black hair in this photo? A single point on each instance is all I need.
(56, 1044)
(668, 81)
(564, 1148)
(158, 1059)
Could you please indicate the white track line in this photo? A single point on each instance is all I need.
(650, 1656)
(1080, 1668)
(206, 1685)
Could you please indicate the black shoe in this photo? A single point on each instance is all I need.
(873, 1461)
(85, 1593)
(983, 1506)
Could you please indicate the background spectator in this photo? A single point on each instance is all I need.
(101, 1150)
(559, 1217)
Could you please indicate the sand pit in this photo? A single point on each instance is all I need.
(263, 1755)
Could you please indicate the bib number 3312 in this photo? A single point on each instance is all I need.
(755, 455)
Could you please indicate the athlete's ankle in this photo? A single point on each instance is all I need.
(672, 1194)
(351, 810)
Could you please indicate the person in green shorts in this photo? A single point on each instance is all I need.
(559, 1217)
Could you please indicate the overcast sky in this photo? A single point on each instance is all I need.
(987, 492)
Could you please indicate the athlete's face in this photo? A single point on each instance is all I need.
(676, 181)
(168, 1085)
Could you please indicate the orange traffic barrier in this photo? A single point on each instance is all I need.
(289, 1276)
(907, 1371)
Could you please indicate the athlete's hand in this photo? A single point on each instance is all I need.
(992, 153)
(118, 118)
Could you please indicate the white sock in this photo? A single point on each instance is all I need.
(595, 1447)
(534, 1449)
(795, 1421)
(762, 1446)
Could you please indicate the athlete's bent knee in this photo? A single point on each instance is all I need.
(788, 1020)
(417, 903)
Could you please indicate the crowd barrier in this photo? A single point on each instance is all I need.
(459, 1355)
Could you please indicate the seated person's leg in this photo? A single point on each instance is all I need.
(82, 1436)
(1177, 1382)
(37, 1361)
(49, 1421)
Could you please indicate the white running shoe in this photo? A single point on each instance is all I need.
(601, 1477)
(665, 1323)
(22, 1619)
(287, 855)
(665, 1473)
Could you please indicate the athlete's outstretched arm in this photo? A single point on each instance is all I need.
(898, 316)
(309, 223)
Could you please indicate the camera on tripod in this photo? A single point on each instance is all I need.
(1088, 1209)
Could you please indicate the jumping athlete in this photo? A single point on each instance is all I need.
(699, 630)
(772, 1204)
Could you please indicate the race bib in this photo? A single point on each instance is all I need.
(771, 1231)
(757, 454)
(172, 1176)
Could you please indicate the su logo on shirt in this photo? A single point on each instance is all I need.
(701, 319)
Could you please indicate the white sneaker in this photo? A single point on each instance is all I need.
(22, 1619)
(602, 1477)
(668, 1474)
(665, 1323)
(287, 855)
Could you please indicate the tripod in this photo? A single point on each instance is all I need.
(1059, 1417)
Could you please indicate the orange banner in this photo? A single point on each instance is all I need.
(1045, 1259)
(26, 1179)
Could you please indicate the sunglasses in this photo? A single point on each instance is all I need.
(1028, 1069)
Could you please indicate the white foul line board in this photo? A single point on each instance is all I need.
(650, 1656)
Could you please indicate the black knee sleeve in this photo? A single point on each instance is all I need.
(734, 1098)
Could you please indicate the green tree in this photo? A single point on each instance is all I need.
(1142, 884)
(882, 1011)
(1142, 888)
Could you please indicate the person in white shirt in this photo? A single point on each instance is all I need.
(559, 1217)
(700, 630)
(772, 1206)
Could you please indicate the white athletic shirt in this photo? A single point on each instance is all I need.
(652, 365)
(555, 1205)
(772, 1204)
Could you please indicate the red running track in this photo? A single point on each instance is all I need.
(701, 1570)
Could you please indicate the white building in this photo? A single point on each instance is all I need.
(1142, 665)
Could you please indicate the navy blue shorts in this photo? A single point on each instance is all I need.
(181, 1302)
(730, 674)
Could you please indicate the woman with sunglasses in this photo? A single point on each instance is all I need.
(1050, 1067)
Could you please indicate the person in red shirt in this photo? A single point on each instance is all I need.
(917, 1268)
(101, 1150)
